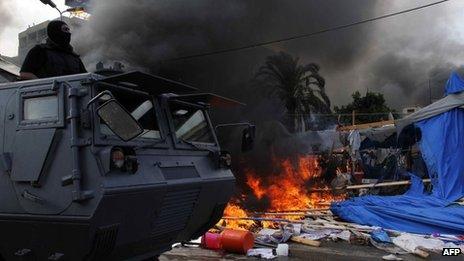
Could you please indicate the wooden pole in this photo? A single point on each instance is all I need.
(318, 190)
(384, 184)
(292, 211)
(366, 125)
(323, 203)
(281, 214)
(261, 219)
(305, 241)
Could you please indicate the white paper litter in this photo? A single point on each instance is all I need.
(318, 234)
(295, 229)
(344, 235)
(282, 250)
(391, 257)
(410, 242)
(265, 253)
(267, 231)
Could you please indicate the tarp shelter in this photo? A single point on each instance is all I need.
(442, 146)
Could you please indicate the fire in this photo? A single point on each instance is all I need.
(296, 185)
(79, 12)
(234, 210)
(255, 185)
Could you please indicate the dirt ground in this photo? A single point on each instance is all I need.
(332, 251)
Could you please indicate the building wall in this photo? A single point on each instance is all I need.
(31, 37)
(76, 3)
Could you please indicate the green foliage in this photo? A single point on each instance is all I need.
(300, 87)
(370, 108)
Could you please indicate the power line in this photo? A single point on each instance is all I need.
(305, 35)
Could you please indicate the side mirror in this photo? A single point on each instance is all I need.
(119, 120)
(248, 138)
(48, 2)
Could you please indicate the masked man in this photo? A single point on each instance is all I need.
(54, 58)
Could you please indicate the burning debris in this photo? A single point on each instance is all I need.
(289, 202)
(293, 185)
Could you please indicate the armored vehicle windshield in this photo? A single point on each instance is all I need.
(191, 123)
(142, 108)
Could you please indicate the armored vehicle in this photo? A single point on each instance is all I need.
(108, 167)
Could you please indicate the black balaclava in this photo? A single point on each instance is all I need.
(59, 33)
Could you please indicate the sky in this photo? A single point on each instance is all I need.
(22, 13)
(394, 56)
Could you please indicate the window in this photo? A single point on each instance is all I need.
(40, 108)
(191, 124)
(131, 102)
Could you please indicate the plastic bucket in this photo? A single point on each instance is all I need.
(237, 241)
(211, 241)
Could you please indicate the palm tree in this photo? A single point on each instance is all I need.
(300, 87)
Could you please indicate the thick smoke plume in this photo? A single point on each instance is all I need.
(6, 18)
(413, 55)
(146, 34)
(396, 56)
(392, 56)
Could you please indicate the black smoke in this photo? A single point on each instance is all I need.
(393, 56)
(413, 55)
(398, 56)
(146, 35)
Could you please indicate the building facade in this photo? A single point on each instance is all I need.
(77, 3)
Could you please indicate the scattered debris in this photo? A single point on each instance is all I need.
(265, 253)
(413, 243)
(381, 236)
(322, 226)
(391, 257)
(305, 241)
(282, 250)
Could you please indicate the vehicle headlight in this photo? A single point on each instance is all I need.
(118, 158)
(225, 159)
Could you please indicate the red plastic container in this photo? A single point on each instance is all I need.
(211, 241)
(237, 241)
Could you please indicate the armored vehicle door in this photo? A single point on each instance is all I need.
(36, 142)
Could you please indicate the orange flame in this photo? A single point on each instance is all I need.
(255, 185)
(296, 186)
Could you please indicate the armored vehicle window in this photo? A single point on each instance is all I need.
(140, 105)
(40, 108)
(191, 124)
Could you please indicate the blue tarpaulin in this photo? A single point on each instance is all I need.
(442, 147)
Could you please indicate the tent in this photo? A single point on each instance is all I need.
(442, 146)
